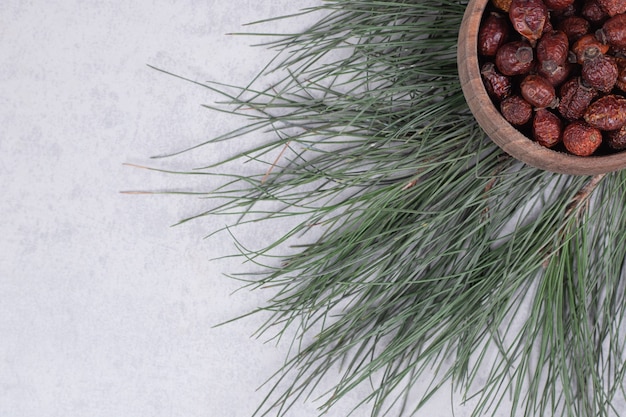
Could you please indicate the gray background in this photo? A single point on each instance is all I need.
(106, 310)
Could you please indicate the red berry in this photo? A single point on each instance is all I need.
(613, 31)
(600, 73)
(616, 139)
(613, 7)
(607, 113)
(498, 86)
(581, 139)
(516, 110)
(575, 98)
(515, 58)
(547, 128)
(538, 91)
(529, 18)
(492, 34)
(593, 12)
(574, 27)
(553, 46)
(588, 47)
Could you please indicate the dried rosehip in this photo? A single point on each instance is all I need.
(593, 12)
(547, 128)
(498, 86)
(607, 113)
(588, 47)
(538, 91)
(553, 47)
(616, 139)
(621, 75)
(493, 32)
(503, 5)
(555, 75)
(613, 31)
(613, 7)
(600, 73)
(516, 110)
(558, 4)
(574, 27)
(514, 58)
(575, 98)
(558, 15)
(585, 58)
(528, 18)
(581, 139)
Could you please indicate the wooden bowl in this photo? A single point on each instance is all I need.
(498, 129)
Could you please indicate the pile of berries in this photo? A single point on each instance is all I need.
(557, 70)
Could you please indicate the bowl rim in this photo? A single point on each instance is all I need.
(501, 132)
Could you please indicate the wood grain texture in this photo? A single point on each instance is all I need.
(498, 129)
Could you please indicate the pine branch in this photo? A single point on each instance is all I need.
(581, 197)
(432, 262)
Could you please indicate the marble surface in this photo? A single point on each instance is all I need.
(106, 310)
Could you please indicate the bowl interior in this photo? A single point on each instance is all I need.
(511, 140)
